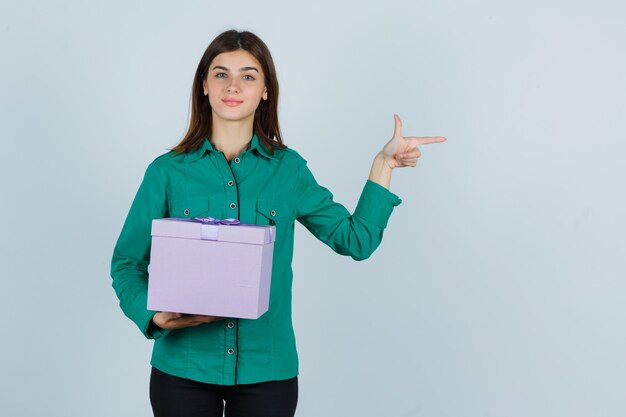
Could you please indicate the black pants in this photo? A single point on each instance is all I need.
(172, 396)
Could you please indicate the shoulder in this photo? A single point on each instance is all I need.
(166, 160)
(158, 169)
(289, 156)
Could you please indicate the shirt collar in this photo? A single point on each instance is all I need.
(255, 143)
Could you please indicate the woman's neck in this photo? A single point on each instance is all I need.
(231, 137)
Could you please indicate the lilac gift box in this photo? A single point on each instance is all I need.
(210, 268)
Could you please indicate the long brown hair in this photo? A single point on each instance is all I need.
(266, 115)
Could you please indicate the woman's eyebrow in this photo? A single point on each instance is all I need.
(240, 69)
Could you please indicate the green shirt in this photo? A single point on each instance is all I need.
(255, 187)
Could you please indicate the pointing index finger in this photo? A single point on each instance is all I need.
(427, 139)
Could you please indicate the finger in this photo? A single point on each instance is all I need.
(406, 160)
(425, 140)
(412, 154)
(204, 319)
(186, 322)
(180, 325)
(411, 159)
(207, 319)
(397, 130)
(410, 163)
(168, 315)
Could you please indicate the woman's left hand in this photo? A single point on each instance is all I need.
(402, 151)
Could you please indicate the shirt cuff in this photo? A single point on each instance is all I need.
(376, 204)
(151, 330)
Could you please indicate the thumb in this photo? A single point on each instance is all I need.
(397, 129)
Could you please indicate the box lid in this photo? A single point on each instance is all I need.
(194, 229)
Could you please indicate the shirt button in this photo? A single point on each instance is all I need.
(233, 205)
(230, 183)
(230, 324)
(231, 351)
(186, 212)
(273, 213)
(237, 160)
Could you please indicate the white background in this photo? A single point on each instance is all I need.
(499, 287)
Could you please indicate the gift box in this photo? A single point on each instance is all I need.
(209, 266)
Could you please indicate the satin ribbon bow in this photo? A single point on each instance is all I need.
(213, 220)
(209, 229)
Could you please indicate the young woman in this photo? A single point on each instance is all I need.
(232, 163)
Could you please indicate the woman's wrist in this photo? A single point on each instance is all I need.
(381, 171)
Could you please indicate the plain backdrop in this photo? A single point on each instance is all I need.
(499, 288)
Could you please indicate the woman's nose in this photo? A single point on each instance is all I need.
(232, 87)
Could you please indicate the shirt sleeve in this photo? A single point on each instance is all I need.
(131, 255)
(356, 235)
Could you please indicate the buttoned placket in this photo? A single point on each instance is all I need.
(231, 326)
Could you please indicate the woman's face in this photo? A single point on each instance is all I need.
(235, 84)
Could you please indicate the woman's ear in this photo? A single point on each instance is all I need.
(265, 94)
(206, 90)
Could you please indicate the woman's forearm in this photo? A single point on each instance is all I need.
(381, 172)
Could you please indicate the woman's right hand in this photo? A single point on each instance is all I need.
(172, 321)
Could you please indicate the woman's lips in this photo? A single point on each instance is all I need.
(232, 103)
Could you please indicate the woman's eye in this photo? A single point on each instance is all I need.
(218, 75)
(251, 77)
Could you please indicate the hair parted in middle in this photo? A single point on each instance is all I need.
(266, 124)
